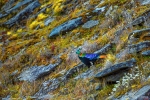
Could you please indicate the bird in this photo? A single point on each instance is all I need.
(89, 58)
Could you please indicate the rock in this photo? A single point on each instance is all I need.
(18, 5)
(98, 87)
(48, 21)
(115, 68)
(47, 87)
(73, 70)
(138, 47)
(109, 11)
(3, 15)
(8, 5)
(7, 98)
(144, 2)
(136, 95)
(90, 23)
(104, 49)
(99, 10)
(87, 74)
(138, 33)
(24, 14)
(133, 49)
(37, 72)
(146, 53)
(67, 26)
(43, 97)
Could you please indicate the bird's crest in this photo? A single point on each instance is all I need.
(78, 51)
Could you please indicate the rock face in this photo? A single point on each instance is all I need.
(37, 72)
(90, 24)
(67, 26)
(24, 14)
(117, 68)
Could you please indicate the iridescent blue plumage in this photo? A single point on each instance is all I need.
(91, 56)
(88, 58)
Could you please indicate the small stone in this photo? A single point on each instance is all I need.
(98, 87)
(90, 24)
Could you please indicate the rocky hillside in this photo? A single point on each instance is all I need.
(39, 39)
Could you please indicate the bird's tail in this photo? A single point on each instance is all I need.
(102, 56)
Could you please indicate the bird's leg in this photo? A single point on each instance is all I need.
(92, 64)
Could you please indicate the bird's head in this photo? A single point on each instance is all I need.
(78, 51)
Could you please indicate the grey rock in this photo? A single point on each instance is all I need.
(104, 49)
(47, 87)
(7, 98)
(90, 23)
(87, 74)
(98, 87)
(37, 72)
(48, 21)
(109, 11)
(117, 67)
(73, 70)
(67, 26)
(24, 14)
(144, 2)
(133, 49)
(146, 53)
(138, 47)
(3, 15)
(99, 10)
(136, 95)
(8, 5)
(138, 33)
(18, 5)
(136, 21)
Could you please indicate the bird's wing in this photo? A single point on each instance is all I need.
(91, 56)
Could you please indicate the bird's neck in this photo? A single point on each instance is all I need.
(82, 54)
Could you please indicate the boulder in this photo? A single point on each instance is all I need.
(67, 26)
(24, 14)
(138, 33)
(116, 68)
(90, 24)
(37, 72)
(146, 53)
